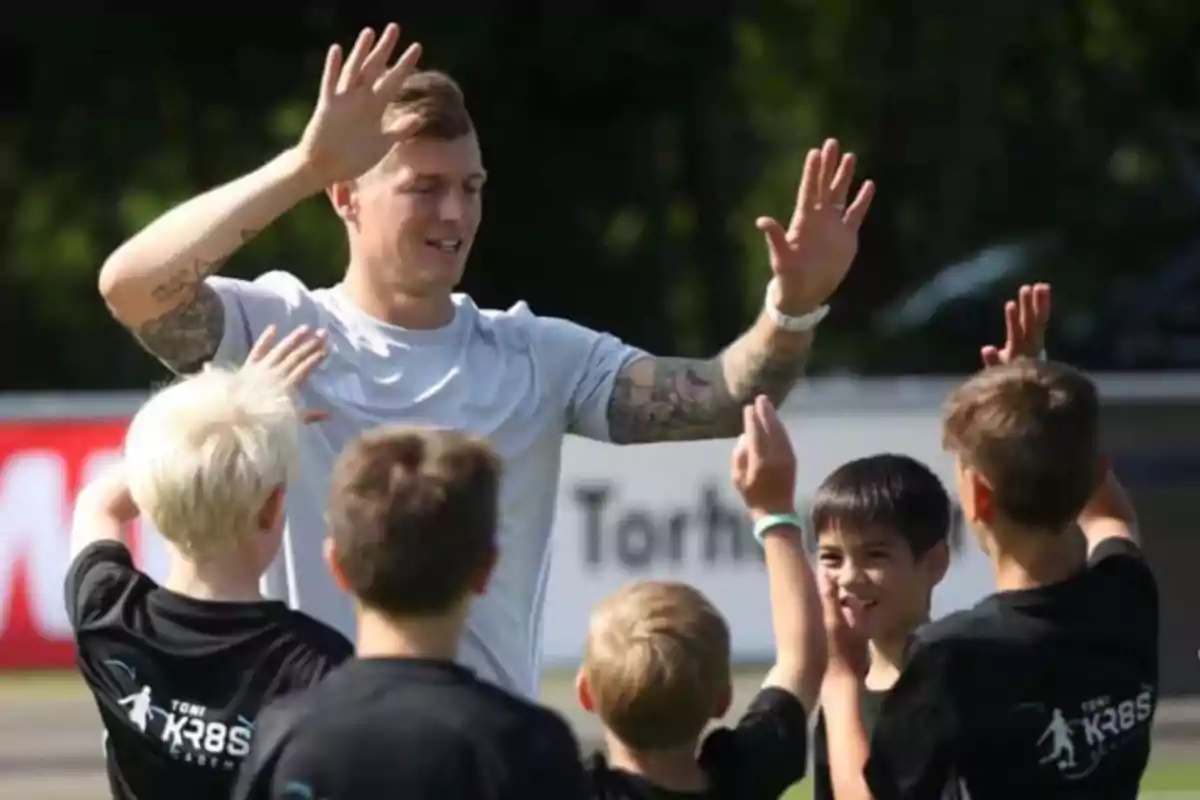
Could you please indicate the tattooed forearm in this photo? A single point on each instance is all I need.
(680, 399)
(186, 337)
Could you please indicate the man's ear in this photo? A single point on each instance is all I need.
(331, 564)
(344, 200)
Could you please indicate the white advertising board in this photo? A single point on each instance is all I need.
(670, 511)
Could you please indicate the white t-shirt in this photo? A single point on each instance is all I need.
(520, 380)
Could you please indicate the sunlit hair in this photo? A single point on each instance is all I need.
(657, 664)
(204, 454)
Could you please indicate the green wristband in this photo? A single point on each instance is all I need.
(765, 524)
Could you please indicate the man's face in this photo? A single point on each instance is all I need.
(416, 214)
(879, 578)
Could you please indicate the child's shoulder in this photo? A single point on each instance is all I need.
(315, 635)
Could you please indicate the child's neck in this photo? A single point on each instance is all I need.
(1032, 561)
(886, 661)
(224, 582)
(381, 636)
(674, 769)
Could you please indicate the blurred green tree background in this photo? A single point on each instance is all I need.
(630, 149)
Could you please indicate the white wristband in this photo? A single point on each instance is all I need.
(801, 324)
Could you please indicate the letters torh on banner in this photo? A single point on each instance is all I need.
(624, 513)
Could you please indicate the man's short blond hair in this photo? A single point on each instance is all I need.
(204, 454)
(657, 664)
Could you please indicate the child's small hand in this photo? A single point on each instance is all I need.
(847, 645)
(764, 466)
(109, 493)
(289, 361)
(1025, 323)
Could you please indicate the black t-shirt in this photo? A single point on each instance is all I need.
(756, 760)
(411, 728)
(872, 705)
(1046, 692)
(179, 682)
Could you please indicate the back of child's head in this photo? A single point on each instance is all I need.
(1026, 437)
(412, 519)
(886, 494)
(656, 665)
(208, 457)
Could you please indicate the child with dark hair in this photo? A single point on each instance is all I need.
(882, 525)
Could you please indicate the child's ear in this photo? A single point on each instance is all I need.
(937, 562)
(583, 693)
(271, 515)
(983, 500)
(483, 576)
(331, 563)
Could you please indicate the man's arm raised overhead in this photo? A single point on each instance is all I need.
(658, 399)
(154, 283)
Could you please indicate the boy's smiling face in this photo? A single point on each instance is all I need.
(878, 577)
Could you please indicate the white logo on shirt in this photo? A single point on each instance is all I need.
(139, 708)
(1076, 745)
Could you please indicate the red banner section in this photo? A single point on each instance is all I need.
(42, 467)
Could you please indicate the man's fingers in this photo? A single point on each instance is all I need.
(809, 193)
(839, 192)
(332, 73)
(830, 155)
(777, 243)
(857, 212)
(389, 85)
(353, 69)
(404, 127)
(381, 53)
(263, 345)
(990, 356)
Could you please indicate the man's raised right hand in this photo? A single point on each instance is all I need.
(346, 135)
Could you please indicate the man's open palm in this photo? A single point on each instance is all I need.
(346, 135)
(811, 256)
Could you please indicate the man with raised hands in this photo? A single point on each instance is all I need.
(397, 154)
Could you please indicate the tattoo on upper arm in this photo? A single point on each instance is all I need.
(682, 399)
(664, 399)
(186, 337)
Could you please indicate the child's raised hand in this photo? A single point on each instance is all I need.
(764, 465)
(1025, 323)
(848, 654)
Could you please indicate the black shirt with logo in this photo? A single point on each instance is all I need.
(1046, 692)
(411, 728)
(179, 682)
(758, 759)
